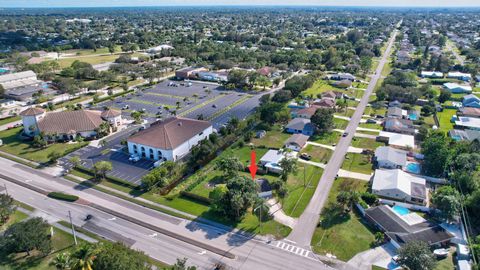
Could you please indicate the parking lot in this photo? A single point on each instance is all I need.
(211, 101)
(198, 99)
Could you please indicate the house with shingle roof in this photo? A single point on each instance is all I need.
(390, 158)
(170, 139)
(300, 125)
(296, 142)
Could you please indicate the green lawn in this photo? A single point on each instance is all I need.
(357, 163)
(319, 87)
(275, 138)
(14, 145)
(340, 123)
(366, 143)
(300, 189)
(371, 126)
(61, 242)
(369, 111)
(91, 59)
(339, 233)
(446, 263)
(9, 120)
(444, 119)
(326, 138)
(319, 154)
(17, 216)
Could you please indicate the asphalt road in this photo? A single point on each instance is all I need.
(303, 231)
(249, 253)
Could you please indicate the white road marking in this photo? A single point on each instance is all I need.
(203, 252)
(292, 249)
(112, 219)
(153, 235)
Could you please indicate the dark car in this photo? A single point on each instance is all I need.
(345, 134)
(88, 217)
(305, 156)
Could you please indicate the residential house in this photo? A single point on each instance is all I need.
(477, 78)
(400, 186)
(403, 57)
(324, 103)
(459, 76)
(471, 100)
(431, 74)
(464, 135)
(171, 139)
(457, 88)
(396, 139)
(390, 158)
(329, 95)
(342, 76)
(469, 112)
(396, 112)
(300, 125)
(271, 160)
(296, 142)
(463, 122)
(402, 126)
(265, 71)
(395, 103)
(65, 125)
(401, 229)
(306, 113)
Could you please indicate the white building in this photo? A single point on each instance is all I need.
(390, 158)
(459, 76)
(19, 79)
(171, 139)
(400, 186)
(457, 88)
(431, 74)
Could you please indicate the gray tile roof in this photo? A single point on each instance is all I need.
(391, 154)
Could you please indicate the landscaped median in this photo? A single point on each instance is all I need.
(63, 196)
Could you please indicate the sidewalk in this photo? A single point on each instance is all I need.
(351, 149)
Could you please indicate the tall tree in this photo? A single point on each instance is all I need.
(289, 166)
(436, 150)
(416, 255)
(323, 120)
(7, 207)
(102, 167)
(26, 236)
(119, 257)
(447, 200)
(230, 166)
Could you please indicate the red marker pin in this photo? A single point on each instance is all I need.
(253, 164)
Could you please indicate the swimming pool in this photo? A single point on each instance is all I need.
(402, 211)
(413, 167)
(412, 116)
(2, 70)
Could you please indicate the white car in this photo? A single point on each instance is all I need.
(134, 158)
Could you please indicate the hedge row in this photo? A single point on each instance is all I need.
(196, 197)
(63, 196)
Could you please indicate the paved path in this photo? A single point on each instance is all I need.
(354, 175)
(302, 233)
(368, 129)
(279, 215)
(379, 256)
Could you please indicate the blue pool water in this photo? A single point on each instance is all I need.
(413, 168)
(2, 70)
(400, 210)
(413, 117)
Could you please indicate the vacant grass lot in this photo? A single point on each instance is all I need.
(319, 154)
(366, 143)
(329, 138)
(319, 87)
(339, 233)
(340, 123)
(275, 138)
(91, 59)
(444, 119)
(14, 145)
(357, 163)
(371, 126)
(7, 120)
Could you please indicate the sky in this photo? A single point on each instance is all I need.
(116, 3)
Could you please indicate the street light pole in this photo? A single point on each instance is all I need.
(6, 190)
(73, 228)
(254, 210)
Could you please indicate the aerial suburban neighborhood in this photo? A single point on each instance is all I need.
(238, 137)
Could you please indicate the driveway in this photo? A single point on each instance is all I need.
(379, 256)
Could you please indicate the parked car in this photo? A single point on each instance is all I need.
(125, 107)
(134, 158)
(214, 106)
(345, 134)
(305, 156)
(371, 121)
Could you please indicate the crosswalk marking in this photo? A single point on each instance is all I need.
(293, 249)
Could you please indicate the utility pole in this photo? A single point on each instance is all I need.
(260, 206)
(73, 228)
(6, 190)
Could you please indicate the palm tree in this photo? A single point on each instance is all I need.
(63, 261)
(84, 257)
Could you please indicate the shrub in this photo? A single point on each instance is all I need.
(369, 198)
(63, 196)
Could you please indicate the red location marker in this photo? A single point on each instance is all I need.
(253, 164)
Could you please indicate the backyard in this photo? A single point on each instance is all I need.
(275, 138)
(319, 87)
(339, 233)
(444, 118)
(366, 143)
